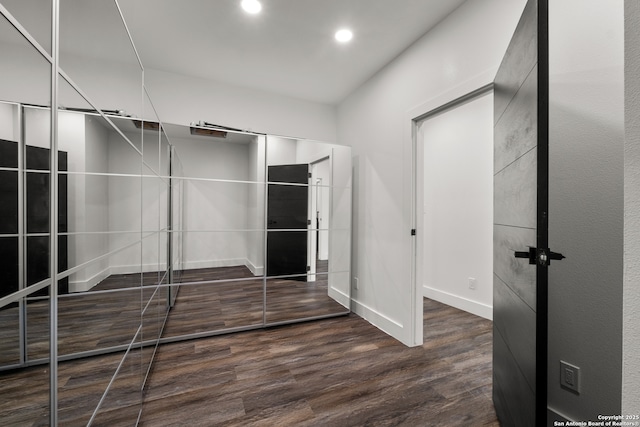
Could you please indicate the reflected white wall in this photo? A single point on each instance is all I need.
(9, 125)
(255, 206)
(212, 206)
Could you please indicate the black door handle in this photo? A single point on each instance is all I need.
(539, 256)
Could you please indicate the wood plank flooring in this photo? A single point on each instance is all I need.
(336, 372)
(333, 372)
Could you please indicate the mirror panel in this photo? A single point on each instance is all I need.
(11, 314)
(25, 392)
(82, 383)
(123, 398)
(26, 73)
(155, 256)
(203, 306)
(97, 321)
(26, 78)
(164, 230)
(10, 335)
(97, 53)
(35, 17)
(308, 181)
(301, 297)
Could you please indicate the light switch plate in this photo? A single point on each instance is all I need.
(570, 376)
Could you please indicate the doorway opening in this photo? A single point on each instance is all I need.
(453, 204)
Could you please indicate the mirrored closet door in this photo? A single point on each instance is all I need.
(119, 232)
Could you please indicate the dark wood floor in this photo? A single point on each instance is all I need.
(337, 372)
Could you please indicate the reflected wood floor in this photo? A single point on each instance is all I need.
(86, 321)
(223, 305)
(335, 372)
(89, 321)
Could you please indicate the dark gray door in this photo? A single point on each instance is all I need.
(521, 254)
(287, 220)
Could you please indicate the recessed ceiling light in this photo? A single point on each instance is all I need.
(251, 6)
(344, 35)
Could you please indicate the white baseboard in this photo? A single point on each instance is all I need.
(85, 285)
(554, 415)
(459, 302)
(340, 297)
(382, 322)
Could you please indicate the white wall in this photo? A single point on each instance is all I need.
(631, 292)
(191, 99)
(586, 203)
(117, 86)
(373, 120)
(458, 206)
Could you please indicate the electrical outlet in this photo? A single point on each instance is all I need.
(472, 283)
(356, 284)
(570, 377)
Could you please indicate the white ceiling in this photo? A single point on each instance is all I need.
(288, 48)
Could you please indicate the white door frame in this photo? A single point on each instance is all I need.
(462, 93)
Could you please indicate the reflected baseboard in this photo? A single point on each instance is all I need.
(229, 262)
(85, 285)
(76, 286)
(256, 270)
(190, 265)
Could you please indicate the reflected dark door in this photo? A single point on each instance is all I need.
(37, 216)
(287, 212)
(520, 224)
(8, 217)
(37, 212)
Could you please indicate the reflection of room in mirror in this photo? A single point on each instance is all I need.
(217, 237)
(165, 237)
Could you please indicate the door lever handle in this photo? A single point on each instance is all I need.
(531, 254)
(539, 256)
